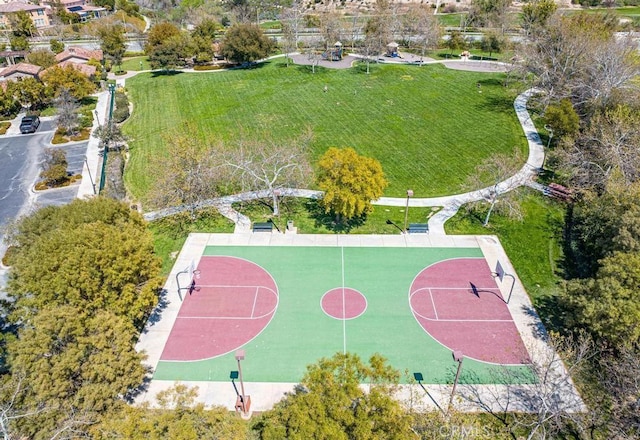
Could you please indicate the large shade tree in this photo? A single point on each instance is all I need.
(350, 182)
(330, 403)
(246, 43)
(74, 362)
(94, 255)
(70, 79)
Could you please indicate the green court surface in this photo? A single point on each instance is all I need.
(300, 332)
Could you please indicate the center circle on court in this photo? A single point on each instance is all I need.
(343, 303)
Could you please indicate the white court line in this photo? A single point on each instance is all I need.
(219, 317)
(467, 320)
(344, 314)
(255, 300)
(457, 288)
(230, 286)
(433, 303)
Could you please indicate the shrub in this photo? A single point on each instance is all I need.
(121, 112)
(562, 118)
(208, 67)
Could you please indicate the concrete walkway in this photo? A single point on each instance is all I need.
(93, 158)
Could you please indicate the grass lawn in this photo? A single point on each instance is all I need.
(533, 245)
(428, 126)
(134, 63)
(309, 217)
(169, 234)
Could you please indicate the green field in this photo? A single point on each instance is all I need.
(429, 126)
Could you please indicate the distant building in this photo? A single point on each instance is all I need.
(18, 71)
(80, 7)
(79, 55)
(37, 13)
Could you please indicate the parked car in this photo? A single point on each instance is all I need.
(29, 124)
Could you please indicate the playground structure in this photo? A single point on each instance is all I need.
(334, 54)
(392, 50)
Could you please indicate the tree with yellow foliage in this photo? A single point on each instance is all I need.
(350, 182)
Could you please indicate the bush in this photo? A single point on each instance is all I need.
(121, 112)
(208, 67)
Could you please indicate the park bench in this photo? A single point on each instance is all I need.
(418, 228)
(263, 227)
(558, 191)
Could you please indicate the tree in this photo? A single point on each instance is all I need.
(331, 28)
(179, 416)
(350, 182)
(493, 42)
(74, 362)
(204, 36)
(29, 92)
(41, 57)
(107, 4)
(490, 13)
(422, 27)
(244, 43)
(562, 118)
(606, 149)
(329, 403)
(113, 42)
(18, 42)
(498, 169)
(94, 255)
(271, 166)
(551, 403)
(241, 9)
(535, 14)
(619, 372)
(55, 167)
(189, 174)
(456, 41)
(56, 46)
(9, 106)
(377, 32)
(600, 225)
(171, 53)
(70, 79)
(67, 108)
(608, 305)
(580, 58)
(292, 23)
(21, 24)
(159, 33)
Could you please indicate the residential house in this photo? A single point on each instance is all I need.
(80, 7)
(85, 69)
(79, 55)
(18, 71)
(37, 13)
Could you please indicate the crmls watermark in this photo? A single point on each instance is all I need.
(458, 432)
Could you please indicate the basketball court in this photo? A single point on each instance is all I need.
(288, 300)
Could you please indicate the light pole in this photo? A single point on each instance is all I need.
(458, 357)
(245, 401)
(550, 133)
(406, 209)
